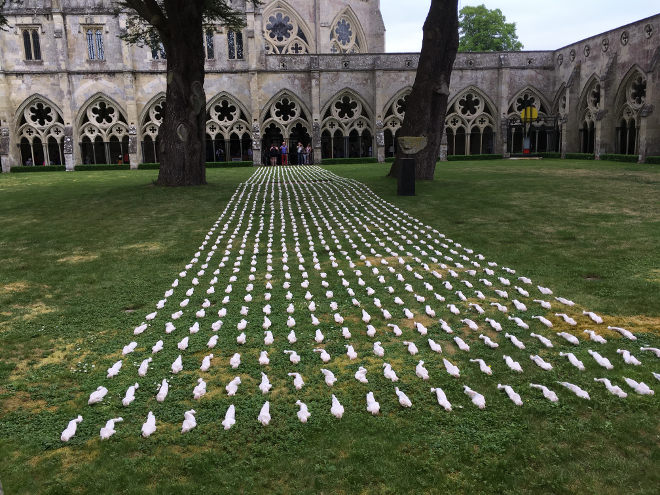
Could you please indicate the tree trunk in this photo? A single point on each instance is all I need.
(427, 104)
(182, 133)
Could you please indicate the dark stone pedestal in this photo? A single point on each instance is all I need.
(406, 179)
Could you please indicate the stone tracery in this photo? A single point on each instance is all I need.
(284, 31)
(346, 130)
(228, 132)
(41, 133)
(346, 35)
(104, 132)
(470, 124)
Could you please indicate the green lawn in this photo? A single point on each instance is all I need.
(86, 255)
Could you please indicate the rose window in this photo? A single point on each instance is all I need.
(525, 101)
(594, 97)
(401, 105)
(225, 111)
(346, 108)
(41, 114)
(103, 113)
(469, 104)
(638, 91)
(285, 110)
(279, 27)
(344, 32)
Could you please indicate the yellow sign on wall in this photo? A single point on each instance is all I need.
(529, 113)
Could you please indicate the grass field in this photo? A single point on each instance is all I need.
(85, 255)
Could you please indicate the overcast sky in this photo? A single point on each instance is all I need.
(541, 25)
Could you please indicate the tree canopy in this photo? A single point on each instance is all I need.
(485, 30)
(179, 25)
(4, 23)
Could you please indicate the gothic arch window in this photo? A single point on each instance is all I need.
(631, 98)
(103, 132)
(543, 133)
(346, 34)
(470, 124)
(41, 133)
(228, 135)
(395, 112)
(149, 128)
(347, 126)
(285, 31)
(590, 105)
(286, 120)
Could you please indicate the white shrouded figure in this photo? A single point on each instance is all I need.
(451, 368)
(514, 365)
(337, 409)
(97, 396)
(582, 394)
(230, 417)
(515, 398)
(441, 398)
(232, 386)
(189, 421)
(303, 413)
(329, 377)
(264, 414)
(149, 426)
(477, 399)
(404, 400)
(109, 429)
(547, 393)
(482, 366)
(573, 360)
(372, 405)
(162, 391)
(361, 375)
(628, 358)
(70, 431)
(130, 395)
(298, 382)
(613, 389)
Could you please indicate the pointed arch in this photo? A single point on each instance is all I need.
(285, 31)
(144, 114)
(528, 95)
(40, 129)
(346, 33)
(559, 101)
(630, 99)
(593, 83)
(103, 130)
(346, 126)
(287, 111)
(470, 123)
(393, 115)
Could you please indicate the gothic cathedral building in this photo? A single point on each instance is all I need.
(314, 72)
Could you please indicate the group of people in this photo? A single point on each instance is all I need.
(281, 154)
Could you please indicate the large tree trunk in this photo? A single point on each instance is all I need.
(427, 104)
(182, 133)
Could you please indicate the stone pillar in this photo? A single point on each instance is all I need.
(644, 123)
(503, 76)
(256, 143)
(4, 149)
(316, 108)
(443, 148)
(69, 158)
(380, 140)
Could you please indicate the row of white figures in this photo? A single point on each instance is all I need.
(373, 406)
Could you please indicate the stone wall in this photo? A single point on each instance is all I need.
(346, 103)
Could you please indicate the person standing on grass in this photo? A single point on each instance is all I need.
(308, 154)
(300, 150)
(284, 150)
(274, 152)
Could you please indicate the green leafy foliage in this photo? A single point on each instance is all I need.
(653, 159)
(151, 21)
(619, 158)
(464, 158)
(4, 22)
(485, 30)
(335, 161)
(47, 168)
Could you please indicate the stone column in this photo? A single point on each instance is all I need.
(443, 148)
(378, 108)
(316, 108)
(380, 140)
(4, 154)
(644, 123)
(69, 159)
(256, 143)
(503, 76)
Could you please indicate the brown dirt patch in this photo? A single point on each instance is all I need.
(23, 401)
